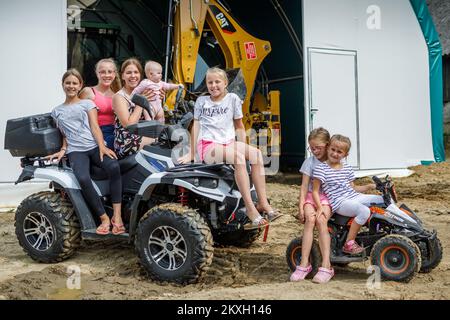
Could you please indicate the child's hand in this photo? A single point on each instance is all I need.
(187, 158)
(319, 212)
(58, 155)
(104, 151)
(301, 215)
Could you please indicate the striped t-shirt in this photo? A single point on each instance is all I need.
(336, 183)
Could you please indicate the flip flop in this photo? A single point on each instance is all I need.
(117, 228)
(103, 229)
(259, 223)
(273, 215)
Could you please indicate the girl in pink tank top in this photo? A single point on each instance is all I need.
(108, 84)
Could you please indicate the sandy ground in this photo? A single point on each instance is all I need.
(112, 271)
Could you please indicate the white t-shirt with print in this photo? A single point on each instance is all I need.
(216, 118)
(307, 168)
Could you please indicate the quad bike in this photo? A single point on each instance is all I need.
(394, 239)
(173, 214)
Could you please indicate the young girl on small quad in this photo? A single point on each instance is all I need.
(318, 141)
(336, 177)
(217, 120)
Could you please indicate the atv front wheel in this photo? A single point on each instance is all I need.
(174, 244)
(397, 256)
(47, 227)
(430, 258)
(294, 255)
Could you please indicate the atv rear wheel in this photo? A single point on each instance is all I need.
(47, 227)
(175, 244)
(397, 256)
(429, 264)
(294, 255)
(240, 238)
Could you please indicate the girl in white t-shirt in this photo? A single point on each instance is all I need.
(217, 120)
(318, 141)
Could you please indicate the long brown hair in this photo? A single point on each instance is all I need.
(117, 84)
(128, 62)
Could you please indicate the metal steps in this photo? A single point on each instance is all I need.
(91, 235)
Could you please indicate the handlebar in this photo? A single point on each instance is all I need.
(377, 180)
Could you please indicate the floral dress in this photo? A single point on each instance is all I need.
(126, 143)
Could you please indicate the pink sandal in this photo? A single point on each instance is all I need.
(117, 228)
(323, 275)
(103, 229)
(300, 273)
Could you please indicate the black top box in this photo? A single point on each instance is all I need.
(32, 136)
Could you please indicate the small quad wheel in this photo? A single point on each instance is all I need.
(174, 244)
(397, 256)
(47, 227)
(294, 255)
(431, 256)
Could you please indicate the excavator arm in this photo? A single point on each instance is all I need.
(193, 19)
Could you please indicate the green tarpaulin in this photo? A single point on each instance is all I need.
(436, 86)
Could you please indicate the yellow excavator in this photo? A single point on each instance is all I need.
(206, 35)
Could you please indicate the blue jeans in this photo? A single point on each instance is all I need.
(108, 135)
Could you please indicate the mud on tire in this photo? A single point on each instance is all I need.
(240, 238)
(47, 227)
(294, 255)
(397, 256)
(430, 261)
(174, 244)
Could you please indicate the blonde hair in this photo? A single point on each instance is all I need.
(342, 139)
(128, 62)
(73, 72)
(117, 84)
(151, 63)
(320, 134)
(218, 71)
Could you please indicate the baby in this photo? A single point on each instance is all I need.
(153, 71)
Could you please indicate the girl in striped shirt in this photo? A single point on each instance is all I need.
(336, 180)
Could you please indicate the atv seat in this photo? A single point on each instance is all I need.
(340, 220)
(125, 164)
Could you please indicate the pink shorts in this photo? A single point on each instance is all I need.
(204, 146)
(323, 200)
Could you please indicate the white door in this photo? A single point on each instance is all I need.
(333, 98)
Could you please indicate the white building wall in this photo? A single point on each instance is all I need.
(33, 58)
(393, 76)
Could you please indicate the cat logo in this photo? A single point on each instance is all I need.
(223, 21)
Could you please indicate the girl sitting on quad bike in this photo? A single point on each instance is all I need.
(83, 143)
(218, 119)
(336, 180)
(318, 141)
